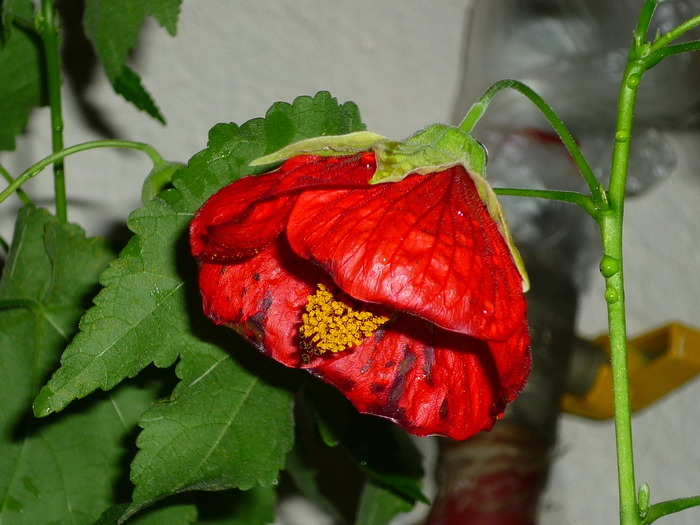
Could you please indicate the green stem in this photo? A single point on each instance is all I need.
(477, 110)
(676, 32)
(572, 197)
(6, 175)
(669, 507)
(60, 155)
(49, 32)
(612, 269)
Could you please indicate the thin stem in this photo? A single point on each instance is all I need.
(477, 110)
(49, 32)
(572, 197)
(676, 32)
(669, 507)
(20, 193)
(674, 49)
(60, 155)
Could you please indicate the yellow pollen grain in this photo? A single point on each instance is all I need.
(334, 325)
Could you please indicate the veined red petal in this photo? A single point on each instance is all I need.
(245, 216)
(425, 245)
(262, 297)
(426, 379)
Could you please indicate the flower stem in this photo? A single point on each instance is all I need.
(6, 175)
(572, 197)
(49, 32)
(60, 155)
(479, 107)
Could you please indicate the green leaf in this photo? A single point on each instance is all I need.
(379, 447)
(63, 470)
(150, 300)
(380, 504)
(128, 85)
(224, 426)
(234, 507)
(113, 27)
(21, 80)
(174, 514)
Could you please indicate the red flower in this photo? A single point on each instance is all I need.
(404, 295)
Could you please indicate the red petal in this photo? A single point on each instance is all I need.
(262, 297)
(245, 216)
(425, 245)
(428, 380)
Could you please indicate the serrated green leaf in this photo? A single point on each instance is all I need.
(113, 27)
(63, 470)
(380, 504)
(225, 426)
(128, 85)
(22, 77)
(150, 300)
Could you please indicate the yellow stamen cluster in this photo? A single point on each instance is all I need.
(334, 325)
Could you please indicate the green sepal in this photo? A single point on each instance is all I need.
(431, 149)
(324, 146)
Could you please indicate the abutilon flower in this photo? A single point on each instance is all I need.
(384, 270)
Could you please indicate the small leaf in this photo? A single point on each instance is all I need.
(113, 27)
(21, 80)
(380, 504)
(150, 300)
(128, 85)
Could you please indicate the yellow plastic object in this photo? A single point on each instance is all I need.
(659, 361)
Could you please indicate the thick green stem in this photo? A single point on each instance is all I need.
(611, 230)
(49, 33)
(60, 155)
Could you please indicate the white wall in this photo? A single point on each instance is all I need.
(400, 61)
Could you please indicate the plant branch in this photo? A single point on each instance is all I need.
(49, 33)
(675, 33)
(572, 197)
(669, 507)
(477, 110)
(20, 193)
(34, 170)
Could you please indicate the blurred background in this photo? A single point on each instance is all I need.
(406, 64)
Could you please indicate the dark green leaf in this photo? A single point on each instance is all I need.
(378, 446)
(174, 514)
(63, 470)
(380, 504)
(128, 85)
(113, 27)
(21, 77)
(235, 507)
(150, 300)
(224, 426)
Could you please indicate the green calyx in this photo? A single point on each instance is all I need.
(435, 148)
